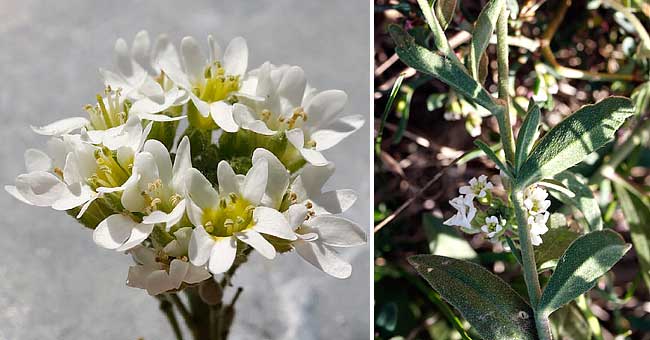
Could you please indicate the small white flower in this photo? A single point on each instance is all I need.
(158, 277)
(155, 190)
(210, 82)
(535, 200)
(537, 224)
(308, 189)
(492, 226)
(465, 213)
(319, 235)
(310, 120)
(477, 187)
(230, 215)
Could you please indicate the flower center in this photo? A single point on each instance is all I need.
(103, 117)
(109, 172)
(233, 214)
(158, 196)
(217, 85)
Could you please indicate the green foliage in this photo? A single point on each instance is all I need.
(637, 215)
(556, 241)
(570, 324)
(493, 156)
(527, 134)
(587, 258)
(483, 29)
(568, 143)
(443, 67)
(582, 199)
(387, 108)
(445, 240)
(489, 304)
(445, 10)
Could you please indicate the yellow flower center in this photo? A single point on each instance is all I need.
(104, 117)
(109, 172)
(217, 85)
(232, 214)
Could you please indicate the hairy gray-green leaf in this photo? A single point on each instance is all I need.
(637, 215)
(570, 324)
(445, 10)
(489, 304)
(556, 241)
(527, 133)
(445, 240)
(493, 156)
(441, 66)
(439, 38)
(583, 199)
(587, 258)
(568, 143)
(482, 33)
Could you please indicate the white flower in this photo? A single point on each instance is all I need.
(318, 235)
(477, 187)
(465, 213)
(308, 189)
(158, 277)
(310, 120)
(232, 214)
(537, 224)
(492, 226)
(535, 200)
(140, 78)
(208, 82)
(154, 190)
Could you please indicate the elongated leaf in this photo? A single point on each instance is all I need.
(493, 156)
(569, 324)
(445, 240)
(489, 304)
(556, 241)
(587, 258)
(583, 199)
(637, 215)
(439, 38)
(568, 143)
(441, 66)
(527, 134)
(445, 10)
(482, 32)
(387, 108)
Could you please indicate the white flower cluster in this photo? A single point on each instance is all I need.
(479, 188)
(115, 172)
(536, 204)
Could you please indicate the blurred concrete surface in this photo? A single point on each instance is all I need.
(54, 282)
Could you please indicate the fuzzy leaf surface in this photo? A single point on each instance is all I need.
(587, 259)
(568, 143)
(527, 133)
(637, 215)
(445, 10)
(483, 29)
(489, 304)
(583, 199)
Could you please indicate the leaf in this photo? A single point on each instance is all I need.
(555, 243)
(482, 33)
(493, 156)
(439, 38)
(445, 10)
(387, 108)
(637, 215)
(441, 66)
(483, 68)
(527, 134)
(570, 324)
(489, 304)
(568, 143)
(587, 259)
(445, 240)
(583, 199)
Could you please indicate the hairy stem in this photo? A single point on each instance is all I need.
(505, 125)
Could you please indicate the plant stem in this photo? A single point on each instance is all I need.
(529, 266)
(505, 125)
(187, 316)
(167, 309)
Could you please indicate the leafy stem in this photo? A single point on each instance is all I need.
(505, 124)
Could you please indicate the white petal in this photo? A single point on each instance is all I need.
(40, 188)
(327, 138)
(235, 59)
(86, 205)
(61, 127)
(336, 201)
(272, 222)
(113, 231)
(323, 258)
(221, 113)
(313, 157)
(196, 275)
(169, 219)
(140, 48)
(296, 215)
(215, 49)
(76, 195)
(14, 192)
(146, 167)
(311, 180)
(193, 59)
(337, 231)
(227, 178)
(194, 212)
(182, 162)
(278, 178)
(132, 198)
(200, 190)
(37, 160)
(200, 247)
(324, 107)
(138, 234)
(162, 159)
(116, 81)
(123, 59)
(202, 106)
(177, 271)
(292, 85)
(255, 240)
(222, 255)
(158, 282)
(137, 277)
(254, 185)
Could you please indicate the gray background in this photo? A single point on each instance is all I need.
(54, 282)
